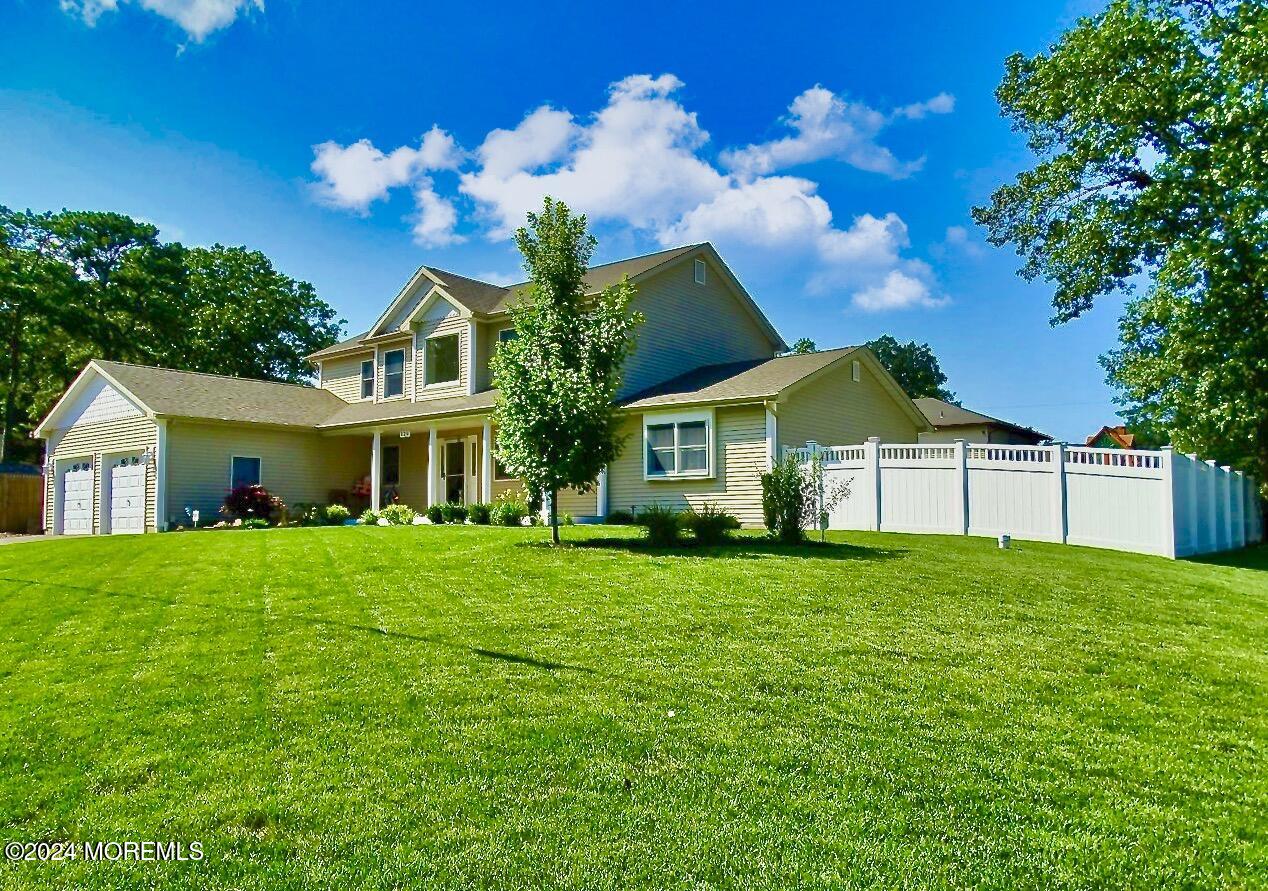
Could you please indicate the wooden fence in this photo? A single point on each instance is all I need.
(1150, 502)
(21, 502)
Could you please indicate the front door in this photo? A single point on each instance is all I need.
(455, 471)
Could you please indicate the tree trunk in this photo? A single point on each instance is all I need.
(554, 516)
(10, 392)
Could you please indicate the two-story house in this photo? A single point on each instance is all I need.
(402, 411)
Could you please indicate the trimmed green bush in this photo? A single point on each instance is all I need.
(336, 514)
(663, 525)
(370, 517)
(398, 514)
(254, 523)
(710, 524)
(619, 518)
(479, 513)
(508, 510)
(452, 512)
(435, 514)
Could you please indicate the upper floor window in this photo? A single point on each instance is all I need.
(700, 272)
(507, 334)
(678, 445)
(442, 359)
(394, 373)
(367, 379)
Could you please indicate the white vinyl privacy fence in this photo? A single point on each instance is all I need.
(1150, 502)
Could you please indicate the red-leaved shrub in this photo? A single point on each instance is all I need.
(247, 502)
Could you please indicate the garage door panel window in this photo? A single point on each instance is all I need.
(244, 471)
(678, 446)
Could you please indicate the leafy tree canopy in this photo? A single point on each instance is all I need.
(556, 413)
(1149, 122)
(78, 285)
(913, 365)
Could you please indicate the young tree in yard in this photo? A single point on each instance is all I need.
(559, 377)
(243, 317)
(913, 365)
(1150, 123)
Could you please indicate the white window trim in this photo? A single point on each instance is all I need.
(680, 417)
(502, 331)
(233, 458)
(452, 382)
(404, 394)
(361, 381)
(700, 272)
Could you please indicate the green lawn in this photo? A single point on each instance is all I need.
(458, 707)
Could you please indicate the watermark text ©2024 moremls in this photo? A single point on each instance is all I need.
(106, 852)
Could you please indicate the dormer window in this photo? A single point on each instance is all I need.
(700, 272)
(507, 334)
(367, 379)
(393, 373)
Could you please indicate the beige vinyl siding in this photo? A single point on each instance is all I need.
(413, 486)
(98, 441)
(573, 502)
(342, 375)
(436, 327)
(740, 459)
(982, 434)
(296, 466)
(486, 346)
(834, 409)
(687, 325)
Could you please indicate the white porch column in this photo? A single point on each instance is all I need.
(601, 494)
(772, 438)
(376, 472)
(160, 476)
(433, 464)
(486, 463)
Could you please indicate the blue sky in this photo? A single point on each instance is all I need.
(832, 154)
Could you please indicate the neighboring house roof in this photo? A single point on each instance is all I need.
(352, 414)
(1118, 437)
(164, 392)
(943, 414)
(486, 299)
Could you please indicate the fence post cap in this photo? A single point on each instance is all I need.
(873, 439)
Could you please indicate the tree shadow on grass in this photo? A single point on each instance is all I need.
(1254, 557)
(741, 548)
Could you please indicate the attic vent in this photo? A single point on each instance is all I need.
(855, 371)
(700, 272)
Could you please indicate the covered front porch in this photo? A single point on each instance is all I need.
(421, 463)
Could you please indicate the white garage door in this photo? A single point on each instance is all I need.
(127, 494)
(77, 499)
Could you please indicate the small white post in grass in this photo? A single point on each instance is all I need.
(1005, 541)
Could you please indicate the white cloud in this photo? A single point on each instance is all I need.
(958, 240)
(500, 278)
(640, 163)
(354, 176)
(636, 162)
(825, 125)
(900, 289)
(197, 18)
(943, 103)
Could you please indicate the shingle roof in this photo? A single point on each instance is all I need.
(340, 346)
(219, 397)
(756, 379)
(948, 414)
(349, 415)
(474, 294)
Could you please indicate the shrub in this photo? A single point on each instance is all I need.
(663, 525)
(479, 513)
(247, 502)
(710, 524)
(785, 507)
(509, 509)
(619, 518)
(452, 512)
(254, 523)
(565, 519)
(370, 517)
(336, 514)
(398, 514)
(435, 514)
